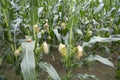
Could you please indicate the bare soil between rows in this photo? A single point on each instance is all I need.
(101, 71)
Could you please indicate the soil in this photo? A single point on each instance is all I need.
(101, 71)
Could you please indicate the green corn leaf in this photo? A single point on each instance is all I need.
(110, 12)
(66, 38)
(99, 8)
(86, 77)
(57, 34)
(78, 31)
(50, 70)
(28, 62)
(4, 4)
(105, 29)
(40, 11)
(95, 39)
(101, 59)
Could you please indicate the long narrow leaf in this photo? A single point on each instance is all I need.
(99, 8)
(100, 59)
(95, 39)
(57, 34)
(50, 70)
(28, 62)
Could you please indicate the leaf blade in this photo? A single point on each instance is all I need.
(100, 59)
(28, 62)
(50, 70)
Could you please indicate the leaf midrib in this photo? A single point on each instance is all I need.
(28, 62)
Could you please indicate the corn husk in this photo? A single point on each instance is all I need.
(45, 48)
(36, 28)
(62, 49)
(17, 53)
(46, 26)
(79, 52)
(63, 25)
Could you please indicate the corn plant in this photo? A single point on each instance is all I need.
(30, 29)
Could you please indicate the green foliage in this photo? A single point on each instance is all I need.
(100, 59)
(50, 70)
(71, 22)
(28, 62)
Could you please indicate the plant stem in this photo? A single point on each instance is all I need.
(69, 48)
(8, 34)
(5, 11)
